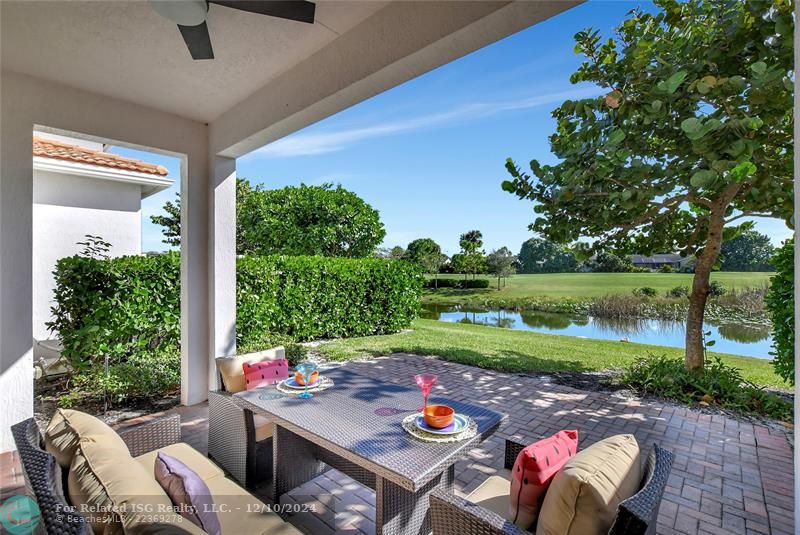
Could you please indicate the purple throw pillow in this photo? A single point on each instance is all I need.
(188, 492)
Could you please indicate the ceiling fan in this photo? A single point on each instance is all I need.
(190, 16)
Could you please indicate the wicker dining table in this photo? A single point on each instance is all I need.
(355, 426)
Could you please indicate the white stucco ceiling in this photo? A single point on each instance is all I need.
(78, 43)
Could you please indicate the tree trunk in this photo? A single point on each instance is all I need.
(498, 283)
(695, 348)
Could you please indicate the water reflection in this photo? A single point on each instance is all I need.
(729, 338)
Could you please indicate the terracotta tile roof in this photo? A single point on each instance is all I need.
(58, 150)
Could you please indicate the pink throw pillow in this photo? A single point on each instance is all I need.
(534, 469)
(265, 373)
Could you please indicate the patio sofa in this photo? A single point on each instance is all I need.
(238, 440)
(453, 515)
(122, 473)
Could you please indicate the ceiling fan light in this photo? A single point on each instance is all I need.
(182, 12)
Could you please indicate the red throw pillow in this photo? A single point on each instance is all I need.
(534, 469)
(265, 373)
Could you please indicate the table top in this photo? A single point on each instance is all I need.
(359, 418)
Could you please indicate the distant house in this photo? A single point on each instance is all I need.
(656, 261)
(80, 189)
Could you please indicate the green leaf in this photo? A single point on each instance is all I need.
(673, 82)
(691, 125)
(759, 68)
(754, 123)
(703, 178)
(655, 105)
(616, 137)
(742, 171)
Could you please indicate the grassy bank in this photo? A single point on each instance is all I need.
(522, 351)
(579, 286)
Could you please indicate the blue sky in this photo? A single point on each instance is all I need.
(429, 155)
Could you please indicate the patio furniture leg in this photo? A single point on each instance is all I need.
(402, 512)
(294, 461)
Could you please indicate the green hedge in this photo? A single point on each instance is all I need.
(116, 307)
(780, 303)
(128, 310)
(310, 297)
(461, 284)
(125, 309)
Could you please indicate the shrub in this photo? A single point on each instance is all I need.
(117, 308)
(442, 283)
(678, 291)
(474, 283)
(459, 284)
(718, 384)
(780, 304)
(145, 375)
(295, 353)
(716, 289)
(308, 297)
(645, 291)
(666, 268)
(127, 310)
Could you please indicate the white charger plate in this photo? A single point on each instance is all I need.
(459, 424)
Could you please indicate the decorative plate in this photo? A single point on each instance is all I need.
(458, 425)
(323, 383)
(410, 426)
(291, 382)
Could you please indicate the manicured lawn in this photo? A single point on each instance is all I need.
(582, 285)
(521, 351)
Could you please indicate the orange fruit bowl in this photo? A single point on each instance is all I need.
(439, 416)
(299, 378)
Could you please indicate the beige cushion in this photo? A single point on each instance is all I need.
(189, 456)
(109, 487)
(583, 497)
(241, 513)
(231, 367)
(494, 494)
(67, 427)
(263, 427)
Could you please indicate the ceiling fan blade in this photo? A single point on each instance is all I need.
(198, 41)
(299, 10)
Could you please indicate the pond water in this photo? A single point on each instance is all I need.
(729, 338)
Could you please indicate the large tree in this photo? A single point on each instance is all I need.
(471, 259)
(543, 256)
(749, 251)
(694, 131)
(307, 220)
(501, 263)
(171, 222)
(427, 254)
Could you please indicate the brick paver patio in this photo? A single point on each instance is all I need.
(729, 476)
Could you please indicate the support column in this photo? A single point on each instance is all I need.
(196, 354)
(16, 266)
(222, 261)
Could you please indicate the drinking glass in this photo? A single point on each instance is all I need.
(306, 369)
(425, 382)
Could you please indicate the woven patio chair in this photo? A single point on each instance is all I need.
(453, 515)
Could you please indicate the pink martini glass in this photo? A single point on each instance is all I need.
(425, 381)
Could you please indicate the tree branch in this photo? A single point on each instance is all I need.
(747, 214)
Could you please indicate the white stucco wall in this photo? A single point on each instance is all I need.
(65, 209)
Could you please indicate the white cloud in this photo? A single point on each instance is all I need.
(304, 144)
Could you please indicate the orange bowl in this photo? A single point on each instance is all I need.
(439, 416)
(299, 378)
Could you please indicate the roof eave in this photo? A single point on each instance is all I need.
(150, 183)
